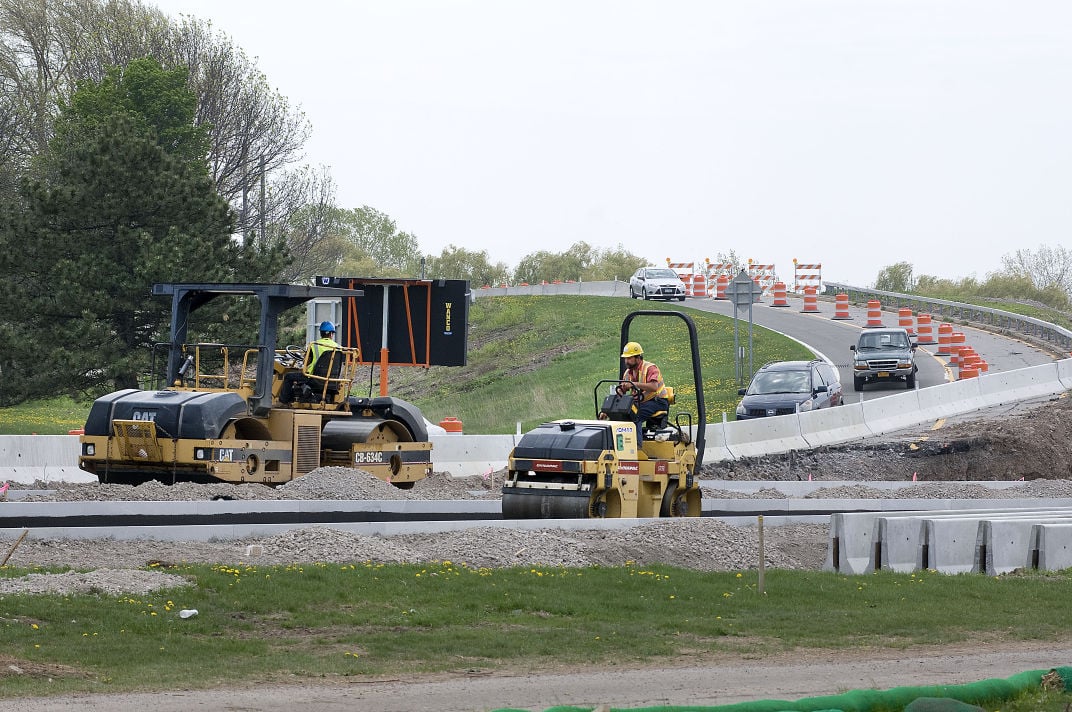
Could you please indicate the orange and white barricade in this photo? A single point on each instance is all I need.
(699, 286)
(763, 275)
(780, 297)
(925, 330)
(807, 275)
(945, 340)
(874, 314)
(721, 283)
(685, 270)
(841, 307)
(905, 321)
(811, 300)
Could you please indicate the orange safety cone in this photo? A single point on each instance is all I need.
(451, 424)
(841, 307)
(811, 300)
(904, 320)
(874, 314)
(925, 330)
(780, 299)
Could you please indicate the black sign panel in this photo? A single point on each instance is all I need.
(427, 320)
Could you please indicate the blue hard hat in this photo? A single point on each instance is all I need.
(327, 327)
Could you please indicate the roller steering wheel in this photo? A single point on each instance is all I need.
(296, 355)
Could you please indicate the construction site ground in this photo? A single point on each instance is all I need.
(1028, 444)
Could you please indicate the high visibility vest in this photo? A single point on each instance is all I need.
(316, 348)
(642, 377)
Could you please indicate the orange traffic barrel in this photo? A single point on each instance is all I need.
(811, 300)
(925, 330)
(983, 365)
(968, 372)
(780, 299)
(905, 321)
(77, 431)
(451, 424)
(721, 283)
(841, 307)
(874, 314)
(945, 339)
(699, 285)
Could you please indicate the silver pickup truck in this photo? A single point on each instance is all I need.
(883, 355)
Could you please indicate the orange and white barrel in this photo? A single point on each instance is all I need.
(945, 339)
(925, 329)
(841, 307)
(874, 314)
(721, 283)
(780, 295)
(811, 300)
(699, 285)
(905, 321)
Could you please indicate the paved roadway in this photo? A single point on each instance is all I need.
(832, 339)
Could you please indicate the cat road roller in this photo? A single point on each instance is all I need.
(218, 418)
(569, 469)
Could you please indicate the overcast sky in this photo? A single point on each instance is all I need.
(852, 133)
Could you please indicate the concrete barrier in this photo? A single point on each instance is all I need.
(830, 426)
(949, 399)
(715, 448)
(1011, 543)
(856, 537)
(1021, 384)
(764, 436)
(1054, 542)
(884, 415)
(1064, 373)
(467, 455)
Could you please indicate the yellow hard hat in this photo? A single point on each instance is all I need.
(632, 349)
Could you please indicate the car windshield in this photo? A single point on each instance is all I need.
(661, 274)
(883, 341)
(769, 382)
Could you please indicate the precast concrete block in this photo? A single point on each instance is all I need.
(1064, 373)
(830, 426)
(884, 415)
(1011, 543)
(899, 544)
(1054, 542)
(949, 399)
(1022, 384)
(764, 436)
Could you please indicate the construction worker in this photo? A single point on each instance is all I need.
(316, 350)
(643, 379)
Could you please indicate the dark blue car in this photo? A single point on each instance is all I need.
(787, 387)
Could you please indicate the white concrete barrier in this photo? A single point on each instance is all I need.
(884, 415)
(1054, 542)
(949, 399)
(830, 426)
(764, 436)
(1064, 372)
(1011, 543)
(466, 455)
(1021, 384)
(715, 448)
(39, 450)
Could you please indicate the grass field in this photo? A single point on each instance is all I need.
(331, 620)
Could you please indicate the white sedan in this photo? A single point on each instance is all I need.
(656, 283)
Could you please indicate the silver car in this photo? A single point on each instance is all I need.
(656, 283)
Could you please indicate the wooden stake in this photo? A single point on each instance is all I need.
(15, 546)
(762, 558)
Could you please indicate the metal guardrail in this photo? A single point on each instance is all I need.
(1043, 332)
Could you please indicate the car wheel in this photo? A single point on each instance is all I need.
(681, 299)
(632, 294)
(857, 383)
(910, 381)
(645, 294)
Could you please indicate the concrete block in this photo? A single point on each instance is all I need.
(831, 426)
(889, 413)
(1054, 543)
(764, 436)
(1019, 385)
